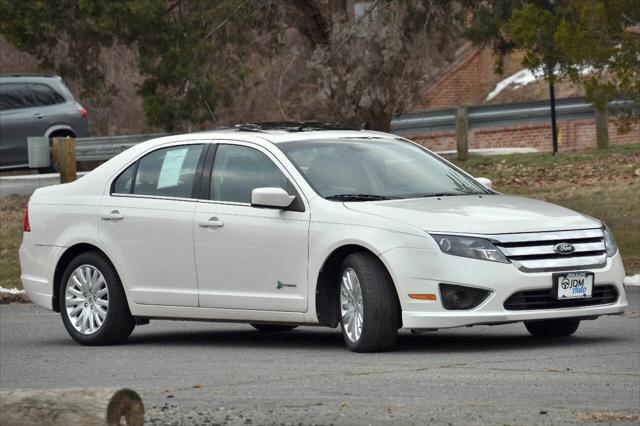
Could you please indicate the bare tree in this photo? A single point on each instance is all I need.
(373, 59)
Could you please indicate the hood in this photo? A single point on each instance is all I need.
(473, 214)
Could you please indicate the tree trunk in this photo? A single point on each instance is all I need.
(377, 119)
(77, 407)
(602, 128)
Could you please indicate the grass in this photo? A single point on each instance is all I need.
(11, 217)
(602, 184)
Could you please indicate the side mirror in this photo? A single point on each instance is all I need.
(274, 198)
(485, 182)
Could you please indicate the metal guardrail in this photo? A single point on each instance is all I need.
(500, 115)
(106, 147)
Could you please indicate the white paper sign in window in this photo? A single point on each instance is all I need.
(171, 167)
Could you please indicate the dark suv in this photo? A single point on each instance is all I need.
(35, 105)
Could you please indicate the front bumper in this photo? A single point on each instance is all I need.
(422, 270)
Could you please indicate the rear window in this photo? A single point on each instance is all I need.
(45, 95)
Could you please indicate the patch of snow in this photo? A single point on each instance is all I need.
(526, 76)
(632, 281)
(518, 80)
(11, 290)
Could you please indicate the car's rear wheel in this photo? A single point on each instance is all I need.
(92, 302)
(552, 328)
(273, 327)
(369, 308)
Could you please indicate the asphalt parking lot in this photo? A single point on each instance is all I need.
(210, 373)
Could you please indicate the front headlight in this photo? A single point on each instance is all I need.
(609, 242)
(475, 248)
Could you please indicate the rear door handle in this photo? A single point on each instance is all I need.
(37, 116)
(114, 215)
(212, 222)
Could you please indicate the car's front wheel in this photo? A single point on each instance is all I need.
(92, 302)
(552, 328)
(369, 308)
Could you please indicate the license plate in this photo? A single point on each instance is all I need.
(573, 285)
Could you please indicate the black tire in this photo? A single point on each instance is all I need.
(381, 314)
(118, 323)
(552, 328)
(273, 327)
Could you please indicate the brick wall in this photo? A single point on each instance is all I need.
(466, 82)
(573, 135)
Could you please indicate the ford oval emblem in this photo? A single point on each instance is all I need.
(564, 248)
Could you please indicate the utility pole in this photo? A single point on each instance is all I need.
(552, 100)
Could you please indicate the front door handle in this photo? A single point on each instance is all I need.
(212, 222)
(114, 215)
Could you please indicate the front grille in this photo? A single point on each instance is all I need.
(534, 252)
(545, 299)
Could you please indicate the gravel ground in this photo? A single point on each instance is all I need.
(229, 374)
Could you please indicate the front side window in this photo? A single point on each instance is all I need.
(238, 170)
(15, 96)
(366, 169)
(167, 172)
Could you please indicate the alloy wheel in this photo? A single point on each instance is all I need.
(351, 305)
(86, 299)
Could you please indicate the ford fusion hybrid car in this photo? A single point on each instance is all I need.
(281, 226)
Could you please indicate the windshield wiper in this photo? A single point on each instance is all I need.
(358, 197)
(438, 194)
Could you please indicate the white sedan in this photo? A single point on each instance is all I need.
(287, 225)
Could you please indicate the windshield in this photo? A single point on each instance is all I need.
(364, 169)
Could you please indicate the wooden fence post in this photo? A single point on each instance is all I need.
(462, 130)
(64, 156)
(602, 128)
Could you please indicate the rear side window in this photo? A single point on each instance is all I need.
(45, 95)
(123, 183)
(168, 172)
(15, 96)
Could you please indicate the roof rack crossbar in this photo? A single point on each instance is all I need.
(289, 126)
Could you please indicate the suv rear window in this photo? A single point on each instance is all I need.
(45, 95)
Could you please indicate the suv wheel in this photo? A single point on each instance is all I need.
(552, 328)
(369, 308)
(92, 302)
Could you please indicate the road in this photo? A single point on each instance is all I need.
(210, 373)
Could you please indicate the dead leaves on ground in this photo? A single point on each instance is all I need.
(578, 172)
